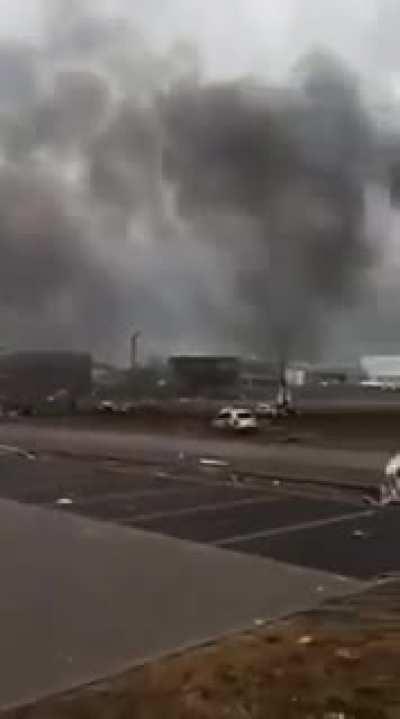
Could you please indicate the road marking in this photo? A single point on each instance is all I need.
(187, 511)
(292, 528)
(127, 496)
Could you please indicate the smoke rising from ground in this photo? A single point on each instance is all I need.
(210, 215)
(297, 168)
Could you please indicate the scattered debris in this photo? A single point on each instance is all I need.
(64, 501)
(161, 475)
(320, 588)
(306, 639)
(388, 492)
(369, 499)
(210, 462)
(360, 534)
(276, 483)
(259, 622)
(387, 576)
(181, 456)
(348, 653)
(6, 449)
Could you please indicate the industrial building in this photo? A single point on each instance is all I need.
(231, 376)
(29, 377)
(381, 369)
(204, 374)
(251, 378)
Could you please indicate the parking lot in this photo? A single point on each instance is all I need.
(327, 530)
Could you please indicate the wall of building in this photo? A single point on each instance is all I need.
(27, 377)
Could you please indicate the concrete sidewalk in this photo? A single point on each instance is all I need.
(82, 599)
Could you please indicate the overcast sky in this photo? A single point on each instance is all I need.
(245, 36)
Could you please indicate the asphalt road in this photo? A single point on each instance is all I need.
(295, 459)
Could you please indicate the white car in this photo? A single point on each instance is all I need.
(235, 418)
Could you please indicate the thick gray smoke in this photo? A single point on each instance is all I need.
(131, 193)
(293, 162)
(80, 188)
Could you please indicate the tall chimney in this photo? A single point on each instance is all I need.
(134, 349)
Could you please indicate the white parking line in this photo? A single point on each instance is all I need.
(127, 496)
(292, 528)
(187, 511)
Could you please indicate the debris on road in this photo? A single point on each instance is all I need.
(234, 478)
(7, 449)
(210, 462)
(259, 622)
(348, 653)
(276, 483)
(360, 534)
(64, 501)
(306, 639)
(389, 490)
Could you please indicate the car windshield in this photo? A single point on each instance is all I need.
(244, 414)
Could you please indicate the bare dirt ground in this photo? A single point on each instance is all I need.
(340, 662)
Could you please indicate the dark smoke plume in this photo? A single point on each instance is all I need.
(297, 168)
(133, 193)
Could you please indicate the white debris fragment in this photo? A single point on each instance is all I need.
(348, 653)
(64, 501)
(259, 622)
(9, 449)
(6, 449)
(210, 462)
(368, 499)
(306, 639)
(389, 490)
(276, 483)
(320, 588)
(181, 456)
(358, 533)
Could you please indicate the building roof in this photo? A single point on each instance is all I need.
(381, 365)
